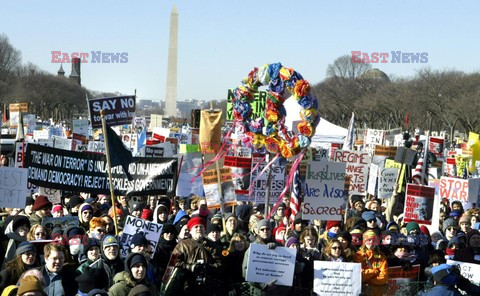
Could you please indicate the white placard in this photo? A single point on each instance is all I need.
(266, 265)
(373, 137)
(152, 232)
(62, 143)
(191, 166)
(164, 132)
(357, 169)
(325, 194)
(372, 179)
(13, 187)
(337, 278)
(386, 182)
(41, 134)
(80, 126)
(53, 195)
(96, 146)
(469, 270)
(277, 180)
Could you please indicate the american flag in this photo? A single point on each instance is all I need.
(295, 200)
(420, 175)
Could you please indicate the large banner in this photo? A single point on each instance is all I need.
(152, 232)
(118, 110)
(13, 187)
(325, 193)
(87, 172)
(266, 265)
(419, 204)
(337, 278)
(357, 169)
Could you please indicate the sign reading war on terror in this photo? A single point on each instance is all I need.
(87, 172)
(118, 110)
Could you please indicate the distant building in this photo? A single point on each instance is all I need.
(75, 74)
(376, 74)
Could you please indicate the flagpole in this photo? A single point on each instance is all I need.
(425, 159)
(107, 154)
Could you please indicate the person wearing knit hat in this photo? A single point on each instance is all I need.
(85, 214)
(28, 211)
(138, 243)
(392, 226)
(147, 214)
(231, 227)
(182, 229)
(374, 262)
(25, 258)
(213, 232)
(136, 209)
(17, 230)
(371, 219)
(30, 284)
(464, 223)
(450, 228)
(168, 239)
(455, 214)
(73, 204)
(110, 257)
(91, 278)
(90, 253)
(444, 279)
(413, 228)
(331, 231)
(293, 242)
(57, 211)
(97, 292)
(41, 207)
(195, 221)
(135, 274)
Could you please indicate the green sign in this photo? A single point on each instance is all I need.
(259, 105)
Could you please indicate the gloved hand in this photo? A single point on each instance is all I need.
(268, 286)
(271, 246)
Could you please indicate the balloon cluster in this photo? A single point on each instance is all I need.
(277, 139)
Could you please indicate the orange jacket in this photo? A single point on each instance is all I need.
(374, 267)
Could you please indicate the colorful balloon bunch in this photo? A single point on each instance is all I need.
(276, 138)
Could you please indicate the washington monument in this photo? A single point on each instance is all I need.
(171, 96)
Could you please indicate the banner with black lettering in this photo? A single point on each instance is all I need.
(118, 110)
(87, 172)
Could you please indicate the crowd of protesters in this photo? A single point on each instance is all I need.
(210, 251)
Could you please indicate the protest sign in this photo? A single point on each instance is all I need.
(62, 143)
(53, 195)
(118, 110)
(191, 166)
(151, 230)
(386, 182)
(470, 271)
(210, 186)
(96, 146)
(372, 179)
(403, 282)
(258, 105)
(189, 148)
(151, 151)
(325, 193)
(20, 148)
(391, 135)
(277, 180)
(337, 278)
(371, 138)
(389, 163)
(13, 187)
(464, 190)
(436, 145)
(41, 134)
(87, 172)
(29, 121)
(419, 204)
(15, 110)
(80, 126)
(450, 167)
(388, 151)
(62, 222)
(241, 167)
(56, 131)
(266, 265)
(357, 169)
(183, 138)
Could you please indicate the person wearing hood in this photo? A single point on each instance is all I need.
(135, 273)
(450, 229)
(28, 211)
(160, 215)
(243, 213)
(76, 236)
(85, 214)
(90, 254)
(73, 205)
(91, 278)
(17, 230)
(26, 258)
(110, 257)
(42, 207)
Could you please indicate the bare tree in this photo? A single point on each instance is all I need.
(343, 69)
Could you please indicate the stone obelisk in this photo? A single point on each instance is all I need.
(171, 96)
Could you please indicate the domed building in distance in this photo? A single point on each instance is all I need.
(376, 75)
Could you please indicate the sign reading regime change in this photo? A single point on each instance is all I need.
(87, 172)
(118, 110)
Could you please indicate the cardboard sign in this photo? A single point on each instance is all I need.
(357, 169)
(373, 137)
(15, 110)
(277, 180)
(191, 166)
(405, 155)
(210, 186)
(53, 195)
(325, 193)
(386, 182)
(62, 143)
(464, 190)
(372, 179)
(337, 278)
(151, 230)
(13, 187)
(266, 265)
(118, 110)
(419, 204)
(388, 151)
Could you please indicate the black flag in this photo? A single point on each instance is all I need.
(119, 154)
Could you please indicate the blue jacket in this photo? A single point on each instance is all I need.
(442, 290)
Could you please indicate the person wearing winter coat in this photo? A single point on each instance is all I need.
(374, 264)
(25, 259)
(135, 274)
(110, 257)
(16, 231)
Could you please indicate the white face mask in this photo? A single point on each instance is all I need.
(74, 249)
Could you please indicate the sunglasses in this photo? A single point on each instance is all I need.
(264, 229)
(40, 233)
(371, 220)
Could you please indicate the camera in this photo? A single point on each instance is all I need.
(200, 272)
